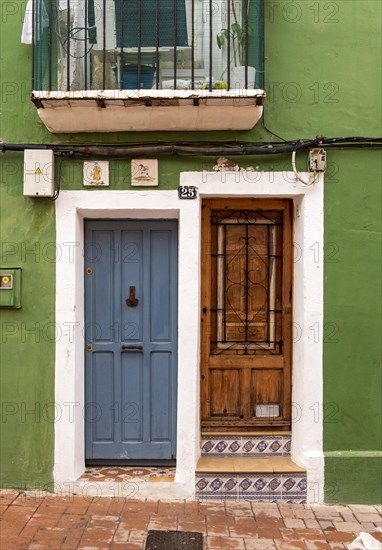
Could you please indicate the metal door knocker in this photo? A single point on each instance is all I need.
(132, 301)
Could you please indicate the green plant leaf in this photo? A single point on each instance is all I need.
(236, 29)
(220, 40)
(222, 37)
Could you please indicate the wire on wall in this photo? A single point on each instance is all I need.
(133, 150)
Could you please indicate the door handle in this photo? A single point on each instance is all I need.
(125, 347)
(132, 301)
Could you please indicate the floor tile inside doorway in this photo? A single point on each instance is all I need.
(123, 474)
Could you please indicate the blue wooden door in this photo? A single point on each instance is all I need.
(130, 339)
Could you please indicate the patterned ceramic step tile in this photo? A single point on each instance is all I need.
(219, 486)
(267, 487)
(287, 488)
(217, 446)
(263, 446)
(267, 445)
(294, 486)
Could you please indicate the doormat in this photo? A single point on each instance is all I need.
(174, 540)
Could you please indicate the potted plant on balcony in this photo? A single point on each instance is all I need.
(238, 36)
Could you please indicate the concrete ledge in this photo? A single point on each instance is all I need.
(149, 110)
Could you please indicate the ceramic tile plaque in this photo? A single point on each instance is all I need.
(144, 172)
(96, 173)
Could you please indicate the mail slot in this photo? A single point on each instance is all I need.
(10, 287)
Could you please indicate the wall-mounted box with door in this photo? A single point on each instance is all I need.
(10, 287)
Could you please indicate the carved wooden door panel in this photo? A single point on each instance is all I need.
(246, 313)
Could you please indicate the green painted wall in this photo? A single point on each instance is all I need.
(27, 335)
(322, 67)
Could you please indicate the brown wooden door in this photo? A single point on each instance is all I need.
(246, 319)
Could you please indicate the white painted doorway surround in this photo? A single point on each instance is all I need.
(307, 418)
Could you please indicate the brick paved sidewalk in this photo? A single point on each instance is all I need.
(33, 522)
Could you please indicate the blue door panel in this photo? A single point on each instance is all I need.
(160, 287)
(132, 275)
(161, 405)
(131, 368)
(103, 391)
(132, 396)
(104, 286)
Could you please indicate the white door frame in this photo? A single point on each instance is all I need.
(71, 209)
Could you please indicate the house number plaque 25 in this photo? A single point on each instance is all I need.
(187, 192)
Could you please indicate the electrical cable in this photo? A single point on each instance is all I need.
(132, 150)
(57, 180)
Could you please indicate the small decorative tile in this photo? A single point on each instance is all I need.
(275, 485)
(144, 172)
(96, 173)
(201, 484)
(221, 446)
(292, 482)
(294, 487)
(216, 486)
(207, 447)
(216, 446)
(248, 446)
(231, 484)
(275, 446)
(234, 447)
(261, 446)
(286, 446)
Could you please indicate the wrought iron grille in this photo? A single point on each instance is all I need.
(134, 44)
(246, 294)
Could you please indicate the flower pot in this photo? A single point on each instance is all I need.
(238, 78)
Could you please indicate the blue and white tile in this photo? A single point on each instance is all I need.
(262, 446)
(294, 486)
(267, 486)
(286, 488)
(216, 486)
(217, 446)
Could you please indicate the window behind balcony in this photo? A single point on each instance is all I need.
(129, 44)
(149, 23)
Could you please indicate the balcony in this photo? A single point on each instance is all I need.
(144, 65)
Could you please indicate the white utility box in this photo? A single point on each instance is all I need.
(38, 173)
(317, 160)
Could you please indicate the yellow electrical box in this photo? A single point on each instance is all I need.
(10, 287)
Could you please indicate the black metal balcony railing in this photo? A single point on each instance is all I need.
(81, 45)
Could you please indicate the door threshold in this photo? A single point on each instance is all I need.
(130, 463)
(130, 473)
(241, 433)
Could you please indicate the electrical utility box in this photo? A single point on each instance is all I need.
(38, 173)
(317, 160)
(10, 287)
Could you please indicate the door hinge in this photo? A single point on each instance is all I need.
(89, 347)
(89, 271)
